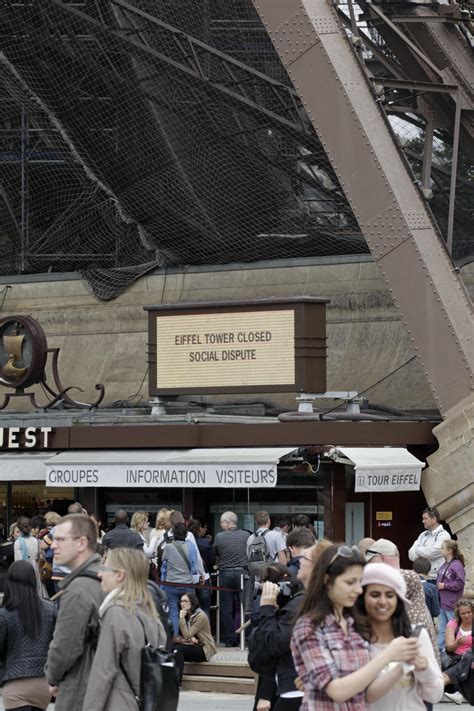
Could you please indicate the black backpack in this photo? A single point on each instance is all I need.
(258, 555)
(161, 604)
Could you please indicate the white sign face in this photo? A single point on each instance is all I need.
(201, 476)
(223, 350)
(370, 480)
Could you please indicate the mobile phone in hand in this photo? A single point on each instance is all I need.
(416, 630)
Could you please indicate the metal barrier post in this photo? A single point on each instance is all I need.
(242, 614)
(218, 609)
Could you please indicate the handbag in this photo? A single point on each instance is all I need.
(449, 660)
(159, 686)
(153, 573)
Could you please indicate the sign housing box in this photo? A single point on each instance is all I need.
(265, 345)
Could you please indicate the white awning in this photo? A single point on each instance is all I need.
(197, 468)
(24, 467)
(381, 468)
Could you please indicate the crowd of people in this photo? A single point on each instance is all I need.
(328, 625)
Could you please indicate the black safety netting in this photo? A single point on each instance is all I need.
(146, 134)
(138, 134)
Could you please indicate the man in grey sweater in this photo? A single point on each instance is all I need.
(230, 547)
(80, 595)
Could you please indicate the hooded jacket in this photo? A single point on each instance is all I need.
(453, 576)
(75, 636)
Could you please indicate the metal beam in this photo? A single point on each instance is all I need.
(422, 86)
(291, 113)
(352, 126)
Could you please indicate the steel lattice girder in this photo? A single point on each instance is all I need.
(193, 56)
(429, 295)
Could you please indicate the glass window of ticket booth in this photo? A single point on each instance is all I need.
(298, 490)
(23, 489)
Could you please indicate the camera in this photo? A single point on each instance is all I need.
(285, 588)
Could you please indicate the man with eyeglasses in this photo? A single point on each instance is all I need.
(80, 595)
(428, 543)
(59, 571)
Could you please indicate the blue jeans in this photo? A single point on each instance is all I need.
(174, 594)
(204, 597)
(229, 602)
(443, 619)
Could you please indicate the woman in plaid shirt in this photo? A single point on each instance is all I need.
(331, 657)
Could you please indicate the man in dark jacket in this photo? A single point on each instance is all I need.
(80, 595)
(269, 649)
(122, 536)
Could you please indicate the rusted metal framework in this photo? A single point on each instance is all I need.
(325, 64)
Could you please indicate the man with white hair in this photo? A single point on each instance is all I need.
(230, 548)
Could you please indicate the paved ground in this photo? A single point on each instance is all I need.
(196, 701)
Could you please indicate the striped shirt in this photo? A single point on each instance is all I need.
(230, 547)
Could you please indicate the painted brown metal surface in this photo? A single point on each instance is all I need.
(165, 436)
(430, 297)
(24, 350)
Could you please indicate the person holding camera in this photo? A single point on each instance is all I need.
(270, 655)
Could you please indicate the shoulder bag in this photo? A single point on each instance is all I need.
(159, 686)
(449, 659)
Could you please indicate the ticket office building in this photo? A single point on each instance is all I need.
(298, 476)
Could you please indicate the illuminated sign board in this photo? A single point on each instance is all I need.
(267, 345)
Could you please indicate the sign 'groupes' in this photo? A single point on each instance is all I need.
(202, 476)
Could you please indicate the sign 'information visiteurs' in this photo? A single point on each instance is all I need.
(125, 475)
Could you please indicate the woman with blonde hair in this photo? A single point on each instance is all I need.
(51, 519)
(128, 621)
(162, 525)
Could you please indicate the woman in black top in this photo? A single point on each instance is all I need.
(26, 628)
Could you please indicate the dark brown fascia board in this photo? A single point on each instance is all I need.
(230, 305)
(297, 434)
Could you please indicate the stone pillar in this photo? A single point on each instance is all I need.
(448, 483)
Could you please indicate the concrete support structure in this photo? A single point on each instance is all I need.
(448, 483)
(107, 342)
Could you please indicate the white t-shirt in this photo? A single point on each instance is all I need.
(407, 695)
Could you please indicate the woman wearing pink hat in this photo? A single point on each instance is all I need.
(332, 659)
(383, 604)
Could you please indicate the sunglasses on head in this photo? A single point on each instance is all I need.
(347, 552)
